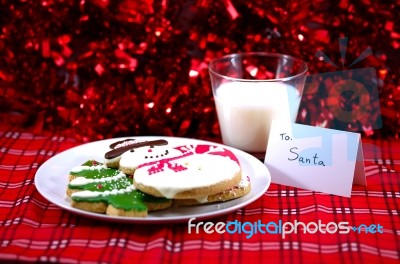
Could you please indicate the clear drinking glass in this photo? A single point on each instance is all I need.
(251, 89)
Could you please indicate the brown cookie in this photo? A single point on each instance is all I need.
(243, 188)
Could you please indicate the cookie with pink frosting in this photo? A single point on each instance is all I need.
(196, 172)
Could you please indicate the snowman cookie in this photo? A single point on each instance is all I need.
(198, 171)
(128, 154)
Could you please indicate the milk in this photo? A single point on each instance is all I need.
(245, 111)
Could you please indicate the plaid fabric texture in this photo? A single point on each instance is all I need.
(35, 230)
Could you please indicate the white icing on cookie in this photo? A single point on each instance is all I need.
(93, 194)
(113, 160)
(127, 143)
(78, 169)
(244, 182)
(79, 181)
(202, 199)
(170, 177)
(132, 159)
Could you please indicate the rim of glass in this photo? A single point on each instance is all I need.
(263, 54)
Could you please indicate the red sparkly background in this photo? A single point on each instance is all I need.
(95, 69)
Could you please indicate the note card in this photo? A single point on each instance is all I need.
(315, 158)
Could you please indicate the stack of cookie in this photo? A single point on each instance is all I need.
(140, 176)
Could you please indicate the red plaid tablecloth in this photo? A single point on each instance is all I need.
(35, 230)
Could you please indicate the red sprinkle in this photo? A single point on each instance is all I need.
(99, 186)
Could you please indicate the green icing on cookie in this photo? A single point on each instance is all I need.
(134, 198)
(111, 186)
(92, 169)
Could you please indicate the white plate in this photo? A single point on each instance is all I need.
(51, 181)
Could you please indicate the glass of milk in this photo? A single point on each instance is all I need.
(251, 89)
